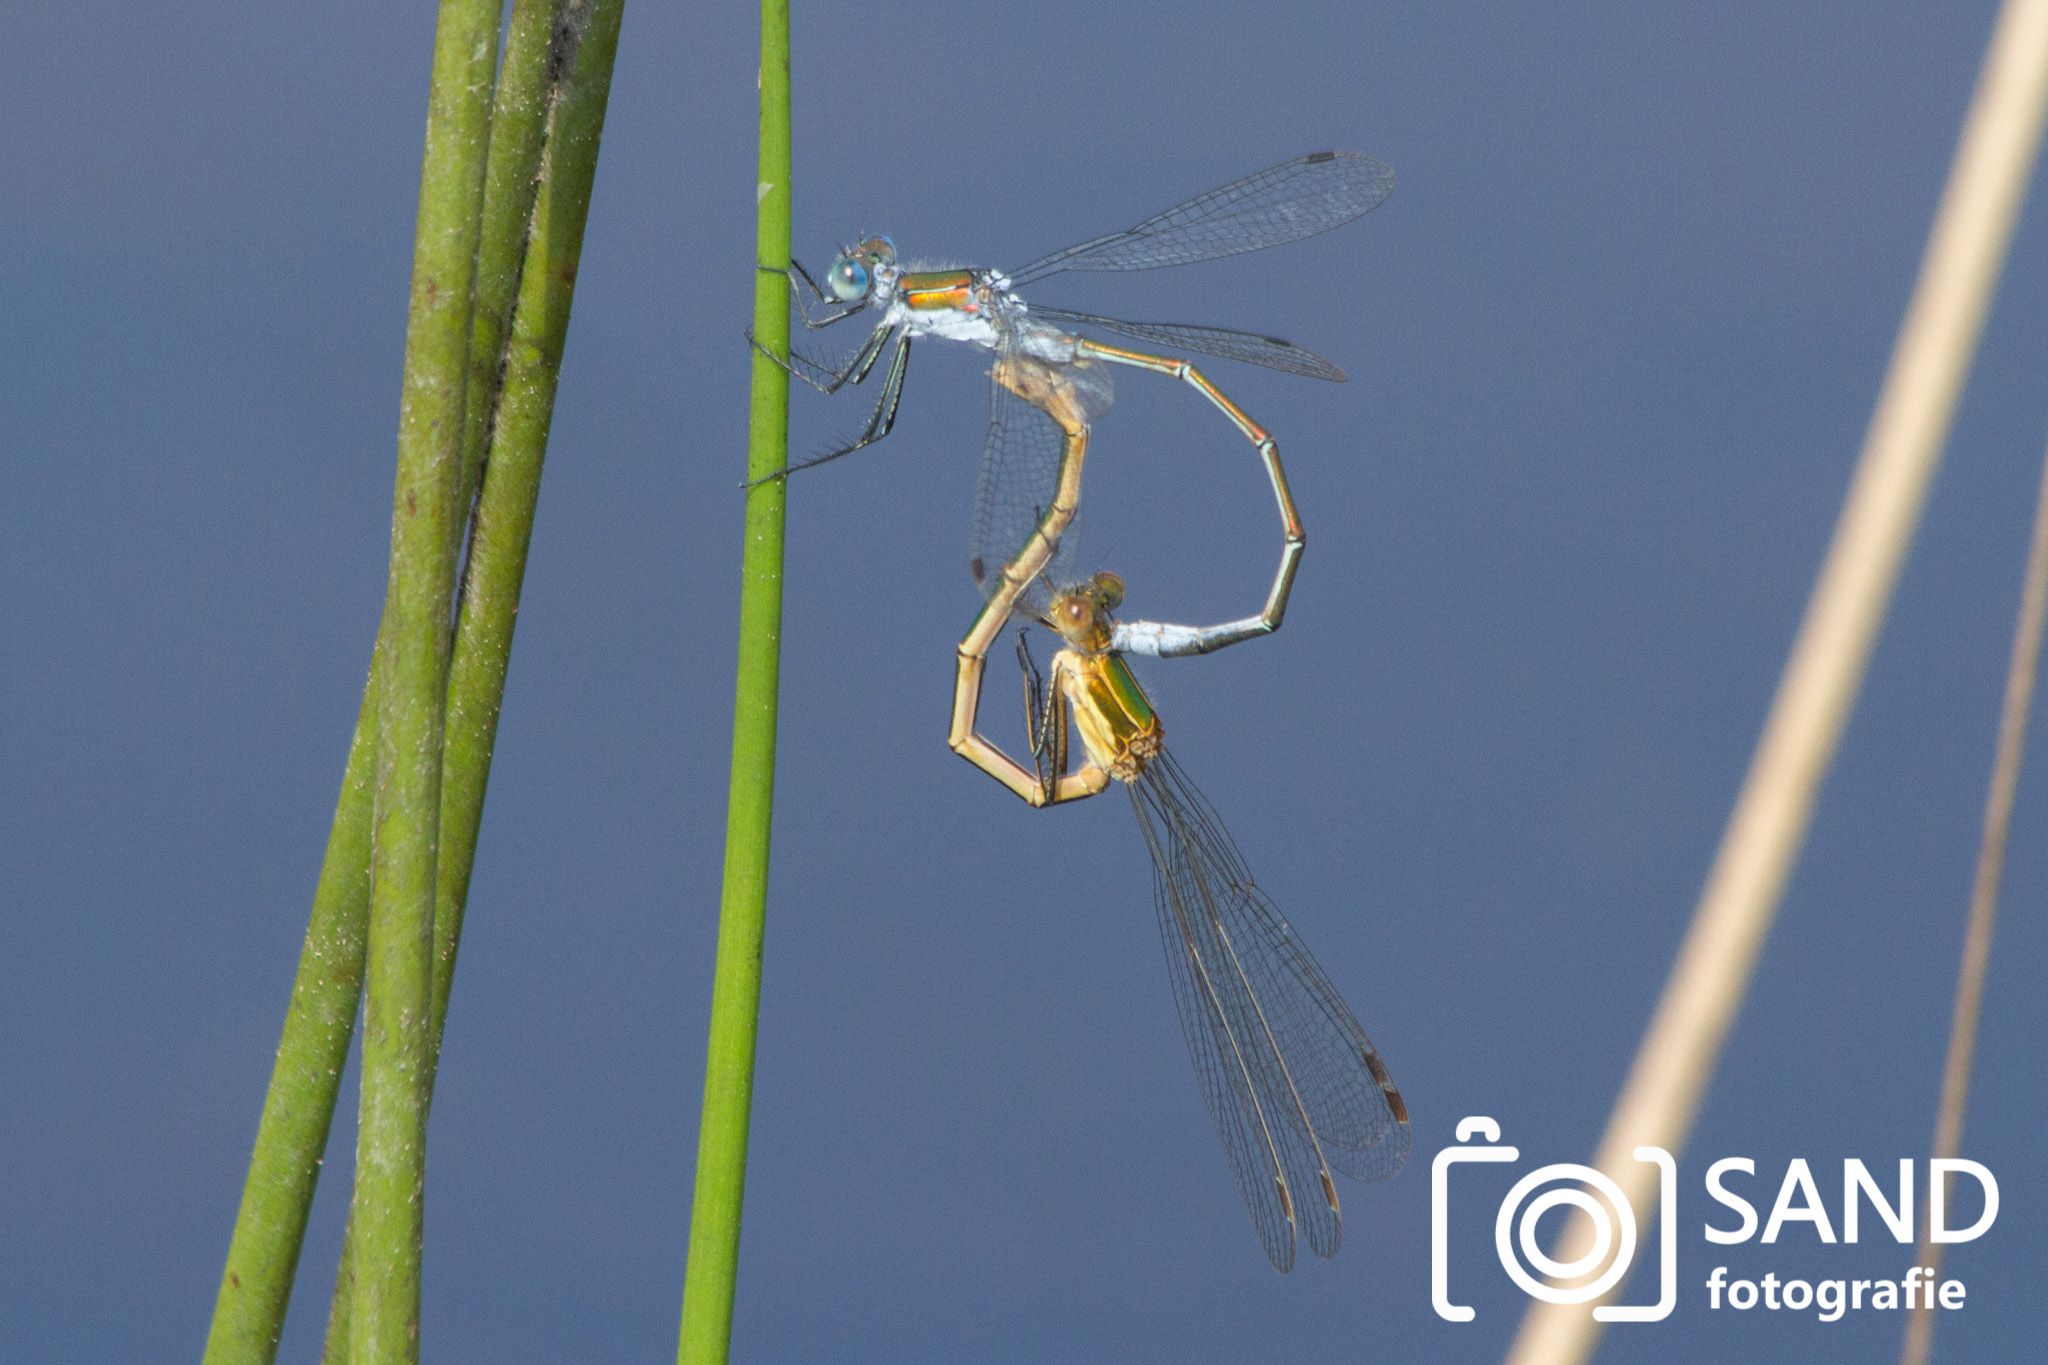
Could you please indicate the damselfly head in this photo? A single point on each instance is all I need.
(852, 276)
(1081, 615)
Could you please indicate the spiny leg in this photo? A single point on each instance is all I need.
(816, 374)
(883, 419)
(1161, 638)
(855, 370)
(880, 421)
(1037, 788)
(1045, 720)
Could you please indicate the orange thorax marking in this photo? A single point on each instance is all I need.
(938, 289)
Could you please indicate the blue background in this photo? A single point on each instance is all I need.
(1613, 341)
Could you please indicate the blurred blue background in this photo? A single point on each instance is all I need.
(1613, 344)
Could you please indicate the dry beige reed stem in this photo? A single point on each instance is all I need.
(2005, 779)
(1900, 452)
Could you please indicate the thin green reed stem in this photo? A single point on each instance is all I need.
(552, 91)
(736, 976)
(519, 123)
(263, 1254)
(412, 662)
(270, 1226)
(503, 526)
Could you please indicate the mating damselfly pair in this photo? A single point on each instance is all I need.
(1294, 1085)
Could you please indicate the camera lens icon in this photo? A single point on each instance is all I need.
(1606, 1208)
(1587, 1275)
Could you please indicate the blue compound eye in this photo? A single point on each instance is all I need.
(847, 280)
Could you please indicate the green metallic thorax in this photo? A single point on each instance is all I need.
(1112, 712)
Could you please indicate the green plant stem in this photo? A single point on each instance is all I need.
(412, 659)
(709, 1278)
(565, 106)
(270, 1227)
(519, 126)
(510, 493)
(298, 1109)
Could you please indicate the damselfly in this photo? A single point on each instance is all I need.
(1037, 345)
(1294, 1085)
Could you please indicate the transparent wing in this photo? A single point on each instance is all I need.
(1021, 461)
(1275, 353)
(1294, 1084)
(1223, 1067)
(1282, 203)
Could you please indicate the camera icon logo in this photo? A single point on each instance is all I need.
(1594, 1194)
